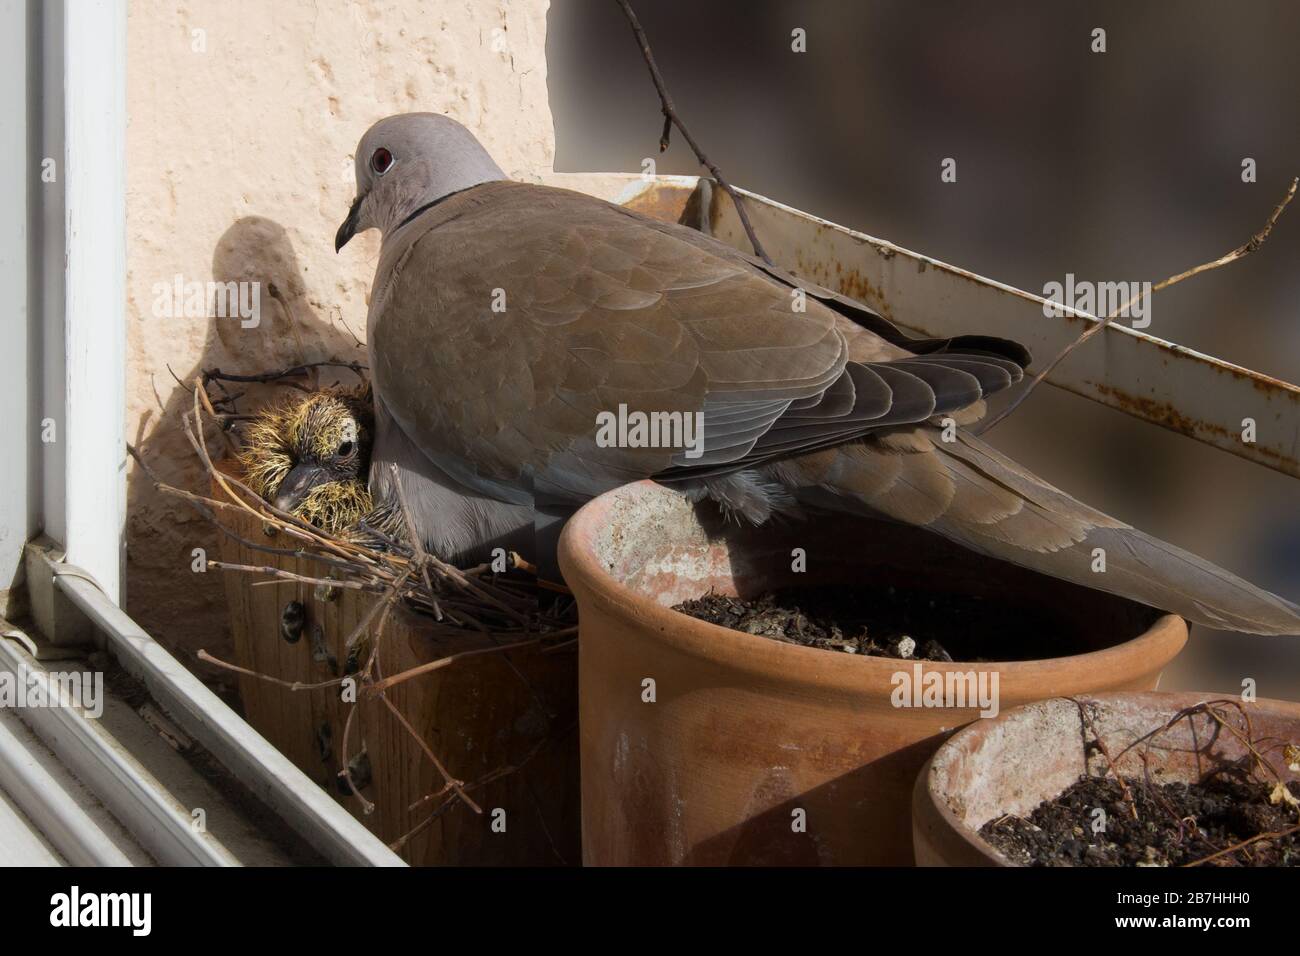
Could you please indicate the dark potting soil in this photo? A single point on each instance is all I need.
(1177, 823)
(890, 622)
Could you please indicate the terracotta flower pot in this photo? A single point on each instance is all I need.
(755, 751)
(1033, 753)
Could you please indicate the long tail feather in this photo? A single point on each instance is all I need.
(1137, 566)
(971, 494)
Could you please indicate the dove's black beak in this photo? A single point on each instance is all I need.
(349, 227)
(297, 485)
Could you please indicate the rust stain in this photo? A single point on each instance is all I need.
(855, 285)
(1266, 384)
(662, 202)
(1263, 383)
(716, 195)
(1167, 416)
(1161, 413)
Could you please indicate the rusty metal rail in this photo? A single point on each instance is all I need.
(1149, 378)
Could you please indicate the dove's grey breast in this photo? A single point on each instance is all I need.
(460, 514)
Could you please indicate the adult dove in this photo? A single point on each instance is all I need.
(507, 320)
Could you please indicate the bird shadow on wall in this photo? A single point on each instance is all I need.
(186, 610)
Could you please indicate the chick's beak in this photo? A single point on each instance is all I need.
(349, 227)
(297, 485)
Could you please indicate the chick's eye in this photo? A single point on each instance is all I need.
(380, 160)
(345, 449)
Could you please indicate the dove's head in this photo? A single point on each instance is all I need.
(406, 162)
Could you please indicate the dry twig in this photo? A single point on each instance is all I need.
(1101, 745)
(671, 119)
(1276, 835)
(1243, 250)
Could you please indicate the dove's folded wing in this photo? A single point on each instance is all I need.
(519, 314)
(513, 316)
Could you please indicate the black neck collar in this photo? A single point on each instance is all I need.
(429, 205)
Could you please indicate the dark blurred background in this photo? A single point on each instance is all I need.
(1117, 165)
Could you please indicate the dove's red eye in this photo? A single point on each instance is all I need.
(380, 160)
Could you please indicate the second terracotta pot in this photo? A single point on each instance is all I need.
(1033, 753)
(703, 745)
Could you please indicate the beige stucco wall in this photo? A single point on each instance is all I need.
(239, 148)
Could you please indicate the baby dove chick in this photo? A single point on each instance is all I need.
(310, 456)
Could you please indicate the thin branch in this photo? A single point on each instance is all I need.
(292, 576)
(1240, 252)
(380, 686)
(1275, 835)
(366, 806)
(456, 785)
(294, 685)
(671, 119)
(384, 604)
(1101, 745)
(489, 777)
(201, 395)
(294, 371)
